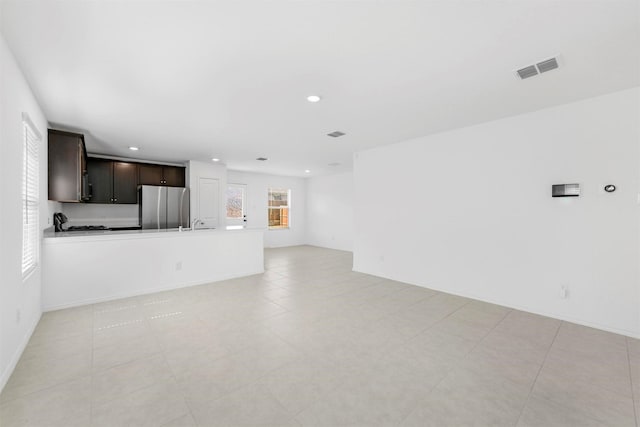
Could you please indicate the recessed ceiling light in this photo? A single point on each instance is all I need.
(307, 171)
(336, 134)
(313, 98)
(215, 160)
(133, 148)
(262, 159)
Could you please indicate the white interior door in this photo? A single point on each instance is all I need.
(208, 197)
(236, 204)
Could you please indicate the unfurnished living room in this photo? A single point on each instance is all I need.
(320, 213)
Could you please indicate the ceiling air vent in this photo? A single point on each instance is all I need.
(547, 65)
(336, 134)
(527, 72)
(539, 68)
(262, 159)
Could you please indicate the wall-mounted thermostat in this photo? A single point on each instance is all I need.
(565, 190)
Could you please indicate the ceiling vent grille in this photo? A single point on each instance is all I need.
(336, 134)
(527, 72)
(547, 65)
(539, 68)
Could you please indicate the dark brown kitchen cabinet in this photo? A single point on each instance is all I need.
(125, 182)
(67, 167)
(150, 175)
(172, 176)
(100, 175)
(113, 181)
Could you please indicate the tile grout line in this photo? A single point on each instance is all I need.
(253, 383)
(257, 380)
(509, 311)
(533, 384)
(633, 396)
(434, 294)
(294, 416)
(91, 388)
(467, 355)
(173, 376)
(145, 320)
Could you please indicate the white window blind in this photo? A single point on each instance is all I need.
(30, 202)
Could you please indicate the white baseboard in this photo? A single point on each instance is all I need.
(4, 377)
(625, 332)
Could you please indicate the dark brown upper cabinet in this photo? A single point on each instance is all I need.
(172, 176)
(125, 182)
(150, 175)
(67, 167)
(100, 180)
(113, 181)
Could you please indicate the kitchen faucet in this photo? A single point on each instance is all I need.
(195, 222)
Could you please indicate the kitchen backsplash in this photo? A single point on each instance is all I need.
(99, 214)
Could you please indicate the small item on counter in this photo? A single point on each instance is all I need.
(58, 219)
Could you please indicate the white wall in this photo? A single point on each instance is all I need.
(16, 98)
(100, 214)
(330, 218)
(257, 192)
(470, 212)
(197, 170)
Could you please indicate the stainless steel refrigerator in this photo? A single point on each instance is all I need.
(163, 207)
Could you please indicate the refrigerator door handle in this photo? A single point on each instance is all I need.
(158, 208)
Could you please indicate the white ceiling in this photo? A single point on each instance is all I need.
(229, 79)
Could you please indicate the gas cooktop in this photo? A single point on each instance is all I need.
(86, 227)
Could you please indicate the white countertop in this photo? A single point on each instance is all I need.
(51, 236)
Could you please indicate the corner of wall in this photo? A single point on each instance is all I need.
(13, 362)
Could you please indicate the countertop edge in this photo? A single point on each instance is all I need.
(72, 237)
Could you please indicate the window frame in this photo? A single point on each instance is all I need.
(30, 197)
(270, 208)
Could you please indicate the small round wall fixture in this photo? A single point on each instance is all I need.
(215, 159)
(609, 188)
(133, 148)
(313, 98)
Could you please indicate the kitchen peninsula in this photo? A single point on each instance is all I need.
(90, 267)
(152, 204)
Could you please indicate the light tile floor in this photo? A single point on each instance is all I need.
(310, 342)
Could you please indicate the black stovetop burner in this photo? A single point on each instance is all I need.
(86, 227)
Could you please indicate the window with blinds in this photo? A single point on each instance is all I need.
(30, 202)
